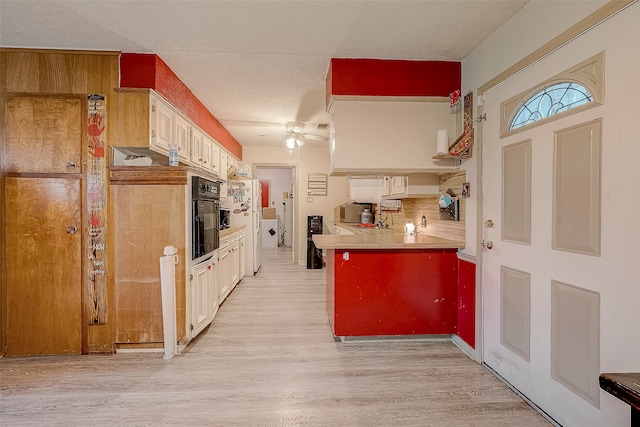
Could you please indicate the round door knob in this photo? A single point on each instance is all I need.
(71, 165)
(488, 223)
(71, 229)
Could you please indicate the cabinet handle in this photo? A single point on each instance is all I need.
(71, 229)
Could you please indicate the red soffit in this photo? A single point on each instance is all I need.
(381, 77)
(148, 71)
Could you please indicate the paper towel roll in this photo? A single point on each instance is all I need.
(443, 142)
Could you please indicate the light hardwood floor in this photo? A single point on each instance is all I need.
(268, 359)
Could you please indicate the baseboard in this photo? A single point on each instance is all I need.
(466, 348)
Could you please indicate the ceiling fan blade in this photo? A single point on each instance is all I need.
(274, 134)
(314, 137)
(248, 123)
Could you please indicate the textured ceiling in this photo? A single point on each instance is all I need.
(258, 64)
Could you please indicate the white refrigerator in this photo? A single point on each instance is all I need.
(244, 199)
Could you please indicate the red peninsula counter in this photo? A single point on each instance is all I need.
(381, 282)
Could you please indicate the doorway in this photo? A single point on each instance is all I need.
(282, 196)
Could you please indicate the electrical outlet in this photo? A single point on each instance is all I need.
(309, 199)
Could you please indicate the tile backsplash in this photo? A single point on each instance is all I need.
(413, 210)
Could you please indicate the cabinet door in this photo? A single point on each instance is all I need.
(213, 287)
(43, 134)
(183, 134)
(196, 147)
(162, 124)
(42, 304)
(385, 185)
(234, 264)
(224, 278)
(243, 257)
(200, 298)
(215, 158)
(207, 145)
(398, 185)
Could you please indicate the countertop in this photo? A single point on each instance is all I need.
(384, 238)
(624, 386)
(229, 231)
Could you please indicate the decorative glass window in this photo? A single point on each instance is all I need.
(549, 101)
(579, 88)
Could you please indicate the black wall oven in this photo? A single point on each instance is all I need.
(205, 201)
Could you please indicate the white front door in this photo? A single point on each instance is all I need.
(556, 313)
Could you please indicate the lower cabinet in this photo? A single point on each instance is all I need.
(243, 254)
(204, 297)
(224, 269)
(234, 261)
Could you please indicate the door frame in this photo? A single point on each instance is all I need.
(599, 15)
(296, 197)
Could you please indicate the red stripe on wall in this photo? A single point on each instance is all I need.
(149, 71)
(467, 302)
(378, 77)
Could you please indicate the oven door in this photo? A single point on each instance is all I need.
(205, 237)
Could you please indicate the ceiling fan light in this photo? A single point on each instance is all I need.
(291, 142)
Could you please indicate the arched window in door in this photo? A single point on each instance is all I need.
(573, 90)
(549, 101)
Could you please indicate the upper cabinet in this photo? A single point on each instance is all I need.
(410, 186)
(392, 137)
(147, 120)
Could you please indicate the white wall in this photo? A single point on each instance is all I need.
(614, 275)
(308, 160)
(281, 181)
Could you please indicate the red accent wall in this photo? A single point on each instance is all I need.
(467, 302)
(379, 77)
(148, 71)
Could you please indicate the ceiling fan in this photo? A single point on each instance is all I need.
(294, 131)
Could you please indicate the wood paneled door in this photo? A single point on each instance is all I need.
(42, 228)
(43, 253)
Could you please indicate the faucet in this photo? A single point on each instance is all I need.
(381, 222)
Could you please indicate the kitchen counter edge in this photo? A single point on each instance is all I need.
(391, 240)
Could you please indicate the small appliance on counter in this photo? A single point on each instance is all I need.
(225, 218)
(352, 212)
(366, 217)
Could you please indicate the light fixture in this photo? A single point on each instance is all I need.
(291, 142)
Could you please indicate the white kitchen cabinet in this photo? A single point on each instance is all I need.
(389, 137)
(385, 185)
(147, 120)
(234, 262)
(215, 156)
(197, 138)
(204, 300)
(161, 124)
(243, 253)
(365, 190)
(413, 186)
(224, 265)
(207, 145)
(182, 136)
(397, 185)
